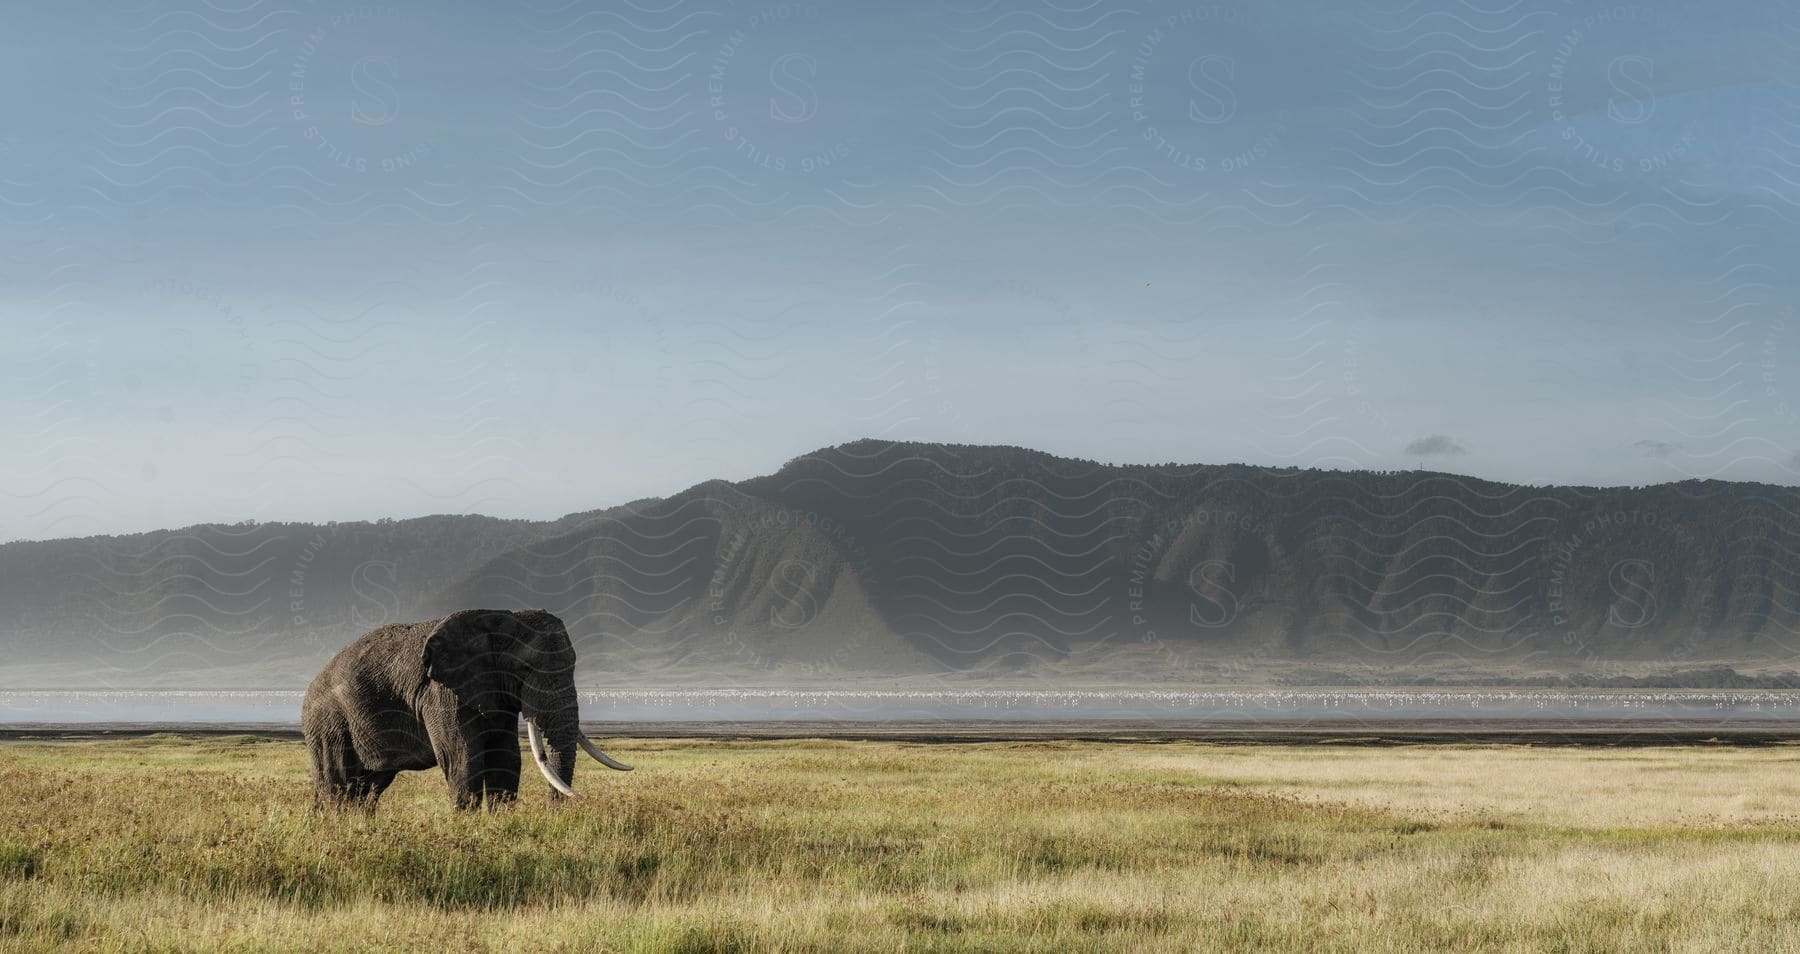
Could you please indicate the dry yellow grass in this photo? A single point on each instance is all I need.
(179, 844)
(1564, 786)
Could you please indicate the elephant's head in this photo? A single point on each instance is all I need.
(500, 661)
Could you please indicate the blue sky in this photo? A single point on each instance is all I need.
(338, 261)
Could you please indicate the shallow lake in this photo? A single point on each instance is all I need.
(983, 705)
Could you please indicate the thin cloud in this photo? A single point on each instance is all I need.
(1436, 444)
(1657, 449)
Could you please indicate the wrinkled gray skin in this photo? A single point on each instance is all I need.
(446, 692)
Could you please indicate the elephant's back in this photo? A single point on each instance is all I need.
(387, 654)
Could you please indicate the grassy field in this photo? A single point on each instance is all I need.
(170, 843)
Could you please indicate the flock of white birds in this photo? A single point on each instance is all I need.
(247, 705)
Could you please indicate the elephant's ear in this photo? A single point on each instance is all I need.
(456, 646)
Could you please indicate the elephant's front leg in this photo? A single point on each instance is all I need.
(458, 740)
(500, 773)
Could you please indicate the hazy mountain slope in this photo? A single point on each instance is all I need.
(712, 582)
(996, 559)
(270, 598)
(892, 559)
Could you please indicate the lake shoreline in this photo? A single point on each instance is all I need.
(1534, 732)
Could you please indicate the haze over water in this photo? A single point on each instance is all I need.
(1225, 706)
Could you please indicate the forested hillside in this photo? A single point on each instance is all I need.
(881, 559)
(887, 557)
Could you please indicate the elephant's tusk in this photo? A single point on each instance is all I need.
(600, 756)
(537, 755)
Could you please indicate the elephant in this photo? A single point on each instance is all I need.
(447, 692)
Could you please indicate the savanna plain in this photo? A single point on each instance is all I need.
(179, 843)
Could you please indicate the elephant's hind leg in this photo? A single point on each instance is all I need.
(340, 780)
(333, 762)
(365, 789)
(362, 789)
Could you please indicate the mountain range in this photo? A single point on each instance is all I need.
(882, 561)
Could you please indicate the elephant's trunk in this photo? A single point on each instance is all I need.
(555, 732)
(539, 757)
